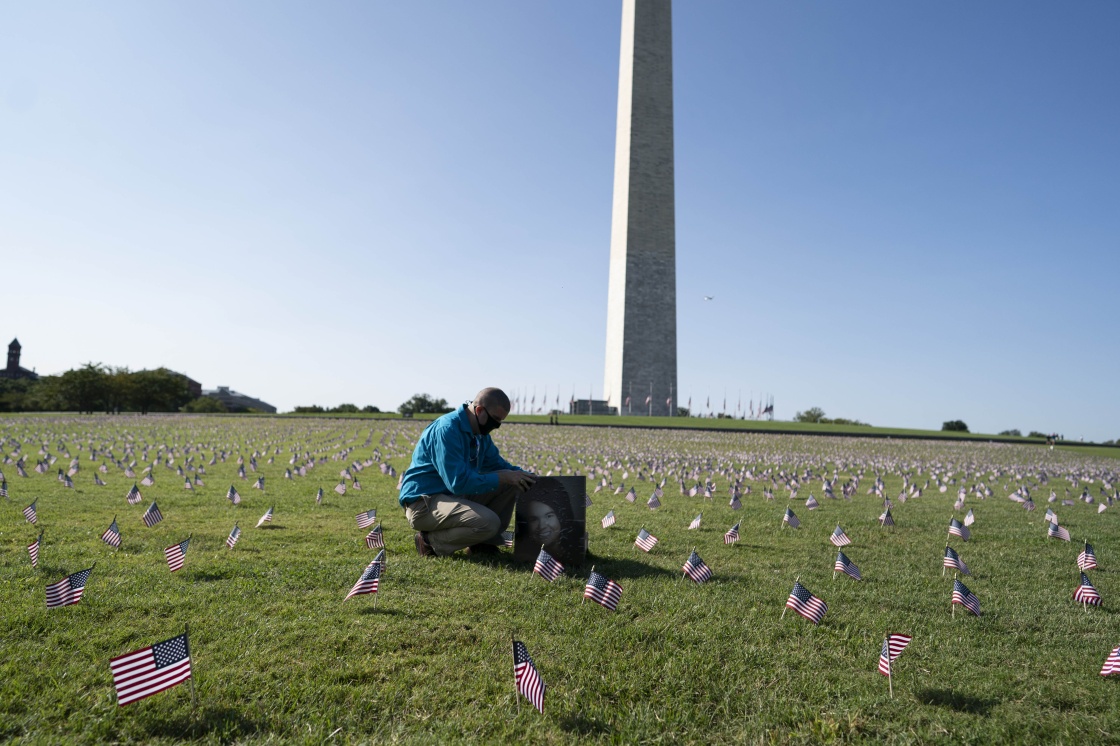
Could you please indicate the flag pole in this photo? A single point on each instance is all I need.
(953, 606)
(786, 608)
(516, 692)
(194, 696)
(943, 558)
(890, 670)
(584, 599)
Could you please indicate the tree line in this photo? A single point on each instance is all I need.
(101, 388)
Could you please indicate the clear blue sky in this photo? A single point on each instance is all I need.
(906, 212)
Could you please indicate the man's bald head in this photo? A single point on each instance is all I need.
(493, 398)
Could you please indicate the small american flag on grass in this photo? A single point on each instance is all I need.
(368, 581)
(602, 590)
(266, 518)
(792, 520)
(695, 521)
(953, 561)
(839, 538)
(547, 567)
(366, 519)
(319, 497)
(846, 566)
(152, 516)
(1086, 593)
(30, 514)
(112, 535)
(893, 646)
(1111, 663)
(33, 550)
(233, 496)
(645, 540)
(1087, 559)
(732, 535)
(375, 538)
(653, 502)
(1058, 532)
(151, 670)
(525, 676)
(964, 597)
(507, 538)
(956, 528)
(608, 519)
(176, 554)
(67, 591)
(340, 488)
(806, 604)
(695, 568)
(234, 535)
(886, 519)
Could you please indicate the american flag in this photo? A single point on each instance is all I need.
(233, 496)
(653, 502)
(839, 538)
(969, 518)
(732, 535)
(187, 484)
(735, 504)
(791, 519)
(319, 497)
(631, 496)
(806, 604)
(380, 560)
(259, 484)
(547, 566)
(30, 514)
(645, 540)
(695, 568)
(602, 590)
(368, 582)
(963, 596)
(375, 538)
(152, 516)
(695, 521)
(266, 518)
(885, 519)
(1058, 532)
(234, 535)
(608, 519)
(33, 550)
(893, 646)
(507, 538)
(1087, 560)
(112, 535)
(1111, 663)
(526, 677)
(1086, 593)
(366, 519)
(340, 488)
(846, 566)
(3, 489)
(953, 561)
(151, 670)
(67, 481)
(176, 554)
(811, 502)
(586, 500)
(67, 591)
(956, 528)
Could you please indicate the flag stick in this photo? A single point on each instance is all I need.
(943, 561)
(890, 683)
(194, 697)
(953, 606)
(584, 599)
(516, 693)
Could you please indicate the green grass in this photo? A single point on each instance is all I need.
(279, 657)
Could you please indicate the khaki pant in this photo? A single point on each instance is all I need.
(452, 522)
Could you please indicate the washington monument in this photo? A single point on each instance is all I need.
(641, 362)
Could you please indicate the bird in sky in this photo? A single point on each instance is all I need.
(709, 297)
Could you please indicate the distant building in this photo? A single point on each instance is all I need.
(591, 406)
(237, 402)
(13, 370)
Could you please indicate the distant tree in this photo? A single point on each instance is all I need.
(85, 389)
(158, 390)
(205, 405)
(346, 408)
(954, 426)
(424, 404)
(843, 421)
(683, 412)
(1013, 432)
(814, 414)
(120, 389)
(313, 409)
(370, 409)
(1037, 434)
(17, 395)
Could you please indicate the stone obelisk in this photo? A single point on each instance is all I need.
(641, 362)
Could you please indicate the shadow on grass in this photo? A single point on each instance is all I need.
(585, 726)
(223, 722)
(624, 568)
(958, 701)
(203, 576)
(272, 527)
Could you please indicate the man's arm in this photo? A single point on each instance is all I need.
(450, 457)
(492, 460)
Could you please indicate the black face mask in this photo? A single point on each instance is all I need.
(491, 425)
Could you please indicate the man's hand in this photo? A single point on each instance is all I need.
(522, 480)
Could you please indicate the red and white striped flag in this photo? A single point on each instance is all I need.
(266, 518)
(893, 646)
(1111, 663)
(33, 550)
(375, 538)
(67, 591)
(176, 554)
(525, 676)
(151, 670)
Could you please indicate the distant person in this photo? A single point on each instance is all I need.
(459, 492)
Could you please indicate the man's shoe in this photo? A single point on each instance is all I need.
(480, 550)
(423, 548)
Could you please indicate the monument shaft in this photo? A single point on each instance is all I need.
(641, 360)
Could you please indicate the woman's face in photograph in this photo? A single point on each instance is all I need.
(544, 524)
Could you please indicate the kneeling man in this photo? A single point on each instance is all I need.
(459, 492)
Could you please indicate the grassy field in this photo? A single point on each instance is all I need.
(279, 657)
